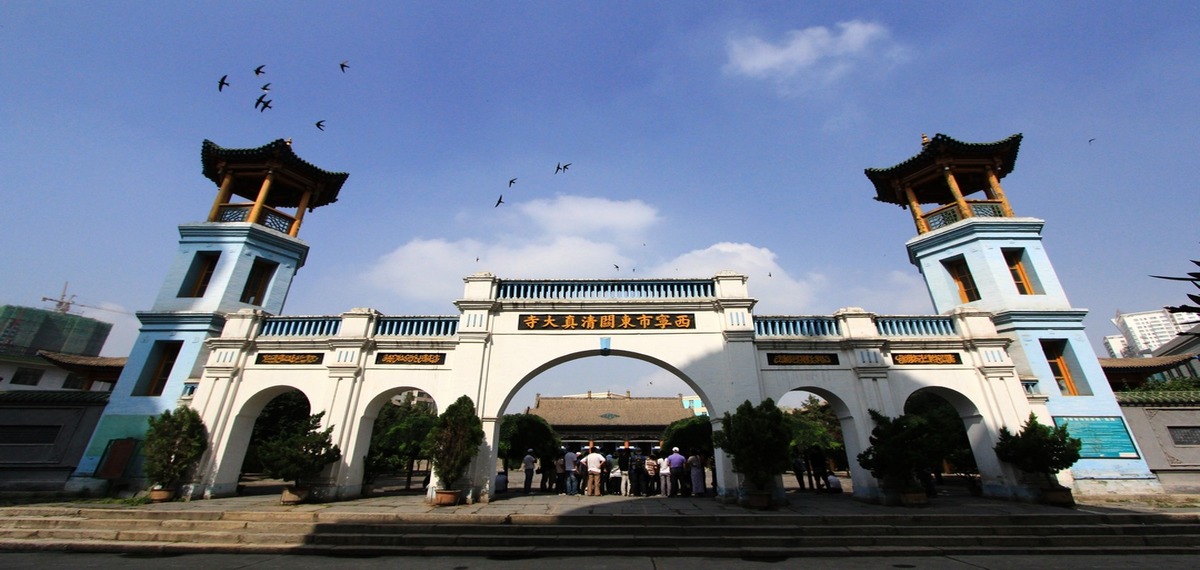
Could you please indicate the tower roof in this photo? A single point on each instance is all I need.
(923, 172)
(293, 176)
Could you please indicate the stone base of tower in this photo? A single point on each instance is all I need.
(1113, 486)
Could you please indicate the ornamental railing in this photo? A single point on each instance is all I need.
(948, 214)
(301, 326)
(915, 326)
(795, 326)
(416, 326)
(606, 290)
(268, 216)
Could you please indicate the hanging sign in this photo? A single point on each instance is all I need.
(290, 358)
(780, 359)
(913, 358)
(606, 321)
(418, 358)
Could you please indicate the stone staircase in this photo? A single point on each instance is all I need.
(751, 535)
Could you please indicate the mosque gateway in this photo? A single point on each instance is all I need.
(1004, 342)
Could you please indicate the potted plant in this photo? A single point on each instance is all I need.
(452, 444)
(896, 451)
(757, 438)
(298, 455)
(1041, 451)
(174, 444)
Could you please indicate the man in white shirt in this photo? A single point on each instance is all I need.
(593, 462)
(529, 463)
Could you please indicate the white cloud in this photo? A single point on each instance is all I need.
(776, 291)
(624, 221)
(813, 55)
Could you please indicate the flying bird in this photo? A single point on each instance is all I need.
(222, 84)
(259, 70)
(266, 87)
(321, 124)
(511, 182)
(1090, 141)
(265, 105)
(260, 100)
(562, 167)
(499, 201)
(617, 267)
(344, 65)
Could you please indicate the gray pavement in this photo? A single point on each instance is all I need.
(82, 561)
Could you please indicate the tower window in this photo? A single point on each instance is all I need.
(158, 367)
(199, 274)
(958, 270)
(1017, 267)
(27, 376)
(255, 291)
(1058, 358)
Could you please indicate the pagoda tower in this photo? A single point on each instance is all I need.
(974, 251)
(243, 256)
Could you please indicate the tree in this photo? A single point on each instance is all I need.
(398, 436)
(1194, 278)
(1038, 448)
(898, 447)
(693, 435)
(454, 440)
(946, 438)
(521, 432)
(286, 412)
(299, 453)
(174, 444)
(757, 437)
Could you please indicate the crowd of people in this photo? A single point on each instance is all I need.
(630, 473)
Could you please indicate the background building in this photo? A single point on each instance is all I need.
(26, 331)
(1145, 331)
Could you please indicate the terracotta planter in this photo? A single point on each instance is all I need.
(161, 495)
(293, 495)
(914, 498)
(1058, 497)
(760, 500)
(447, 497)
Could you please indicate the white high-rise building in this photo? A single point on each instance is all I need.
(1145, 331)
(1116, 345)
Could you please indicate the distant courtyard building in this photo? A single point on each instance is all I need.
(609, 420)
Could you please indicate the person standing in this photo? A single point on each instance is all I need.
(530, 463)
(593, 462)
(676, 462)
(696, 464)
(624, 461)
(651, 475)
(664, 476)
(570, 461)
(560, 473)
(637, 473)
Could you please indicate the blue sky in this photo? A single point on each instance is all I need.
(702, 135)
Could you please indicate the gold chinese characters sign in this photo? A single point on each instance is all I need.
(903, 358)
(777, 359)
(290, 358)
(607, 321)
(420, 358)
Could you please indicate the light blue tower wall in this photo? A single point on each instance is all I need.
(1029, 319)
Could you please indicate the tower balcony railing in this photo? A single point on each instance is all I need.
(935, 325)
(949, 213)
(602, 290)
(765, 327)
(268, 216)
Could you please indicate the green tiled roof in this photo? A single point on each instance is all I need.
(1175, 398)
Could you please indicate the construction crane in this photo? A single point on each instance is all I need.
(64, 303)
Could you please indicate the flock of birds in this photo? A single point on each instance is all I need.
(262, 103)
